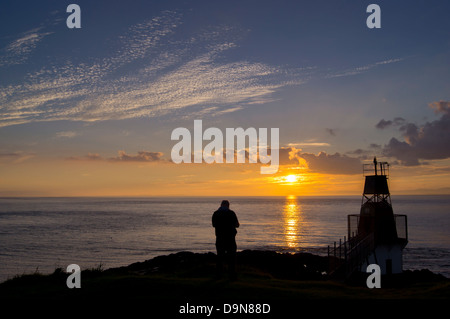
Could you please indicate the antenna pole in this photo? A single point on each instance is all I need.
(375, 164)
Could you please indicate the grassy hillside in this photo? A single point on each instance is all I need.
(263, 277)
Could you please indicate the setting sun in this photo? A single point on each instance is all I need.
(291, 178)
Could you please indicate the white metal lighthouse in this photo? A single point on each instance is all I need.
(376, 235)
(377, 219)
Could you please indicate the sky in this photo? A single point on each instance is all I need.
(90, 111)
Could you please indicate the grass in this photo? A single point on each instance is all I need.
(181, 278)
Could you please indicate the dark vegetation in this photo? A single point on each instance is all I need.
(263, 276)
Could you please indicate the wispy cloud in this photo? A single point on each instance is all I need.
(361, 69)
(152, 69)
(309, 144)
(15, 157)
(66, 134)
(122, 157)
(19, 50)
(171, 75)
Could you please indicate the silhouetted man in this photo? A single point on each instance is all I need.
(225, 222)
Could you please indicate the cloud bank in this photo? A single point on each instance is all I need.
(429, 141)
(322, 162)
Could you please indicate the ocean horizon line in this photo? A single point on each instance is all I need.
(214, 196)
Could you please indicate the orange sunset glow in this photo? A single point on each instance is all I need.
(91, 111)
(97, 178)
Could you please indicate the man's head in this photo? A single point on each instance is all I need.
(225, 203)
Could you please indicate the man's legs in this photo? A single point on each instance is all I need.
(220, 257)
(226, 252)
(231, 256)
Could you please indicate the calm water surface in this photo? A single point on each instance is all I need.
(45, 233)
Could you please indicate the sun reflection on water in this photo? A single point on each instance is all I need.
(292, 219)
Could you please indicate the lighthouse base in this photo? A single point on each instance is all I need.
(389, 258)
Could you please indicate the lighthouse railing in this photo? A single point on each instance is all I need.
(353, 226)
(358, 252)
(382, 168)
(348, 255)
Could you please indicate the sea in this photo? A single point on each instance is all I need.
(43, 234)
